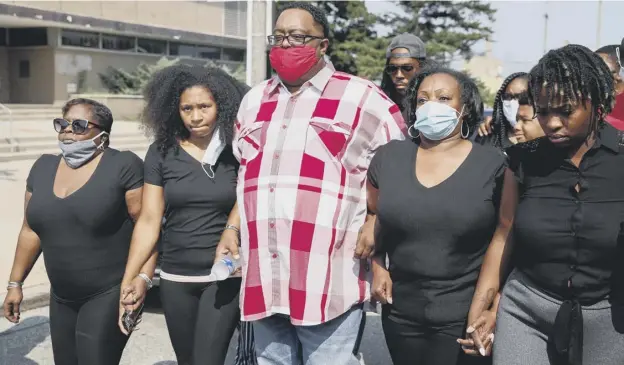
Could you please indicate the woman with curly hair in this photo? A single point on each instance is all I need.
(435, 251)
(513, 118)
(190, 179)
(563, 303)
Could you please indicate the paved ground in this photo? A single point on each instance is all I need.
(29, 342)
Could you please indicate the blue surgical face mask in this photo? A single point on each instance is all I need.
(622, 73)
(79, 153)
(436, 121)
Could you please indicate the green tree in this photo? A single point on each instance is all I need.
(487, 95)
(119, 81)
(447, 27)
(355, 47)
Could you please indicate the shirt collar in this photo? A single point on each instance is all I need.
(608, 137)
(319, 81)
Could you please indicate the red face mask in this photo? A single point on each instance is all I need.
(293, 62)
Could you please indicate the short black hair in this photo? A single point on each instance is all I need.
(317, 13)
(574, 73)
(500, 124)
(161, 115)
(469, 95)
(610, 51)
(100, 112)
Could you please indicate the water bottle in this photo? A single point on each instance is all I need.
(223, 268)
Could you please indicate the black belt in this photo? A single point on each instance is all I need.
(567, 337)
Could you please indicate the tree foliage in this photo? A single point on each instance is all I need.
(119, 81)
(447, 27)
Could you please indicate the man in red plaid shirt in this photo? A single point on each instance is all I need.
(304, 140)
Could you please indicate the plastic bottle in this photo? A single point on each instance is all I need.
(224, 268)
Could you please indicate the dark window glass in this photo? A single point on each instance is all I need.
(152, 46)
(118, 43)
(28, 37)
(211, 53)
(80, 39)
(181, 49)
(24, 68)
(3, 36)
(231, 54)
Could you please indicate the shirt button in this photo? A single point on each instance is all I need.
(284, 126)
(274, 255)
(272, 224)
(271, 188)
(276, 156)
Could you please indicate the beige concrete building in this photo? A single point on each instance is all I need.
(487, 68)
(51, 49)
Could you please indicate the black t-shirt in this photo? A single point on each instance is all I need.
(85, 237)
(435, 237)
(197, 207)
(563, 235)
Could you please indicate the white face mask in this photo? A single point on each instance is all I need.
(436, 121)
(620, 56)
(510, 110)
(215, 147)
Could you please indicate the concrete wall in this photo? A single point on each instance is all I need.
(258, 43)
(194, 16)
(5, 81)
(38, 87)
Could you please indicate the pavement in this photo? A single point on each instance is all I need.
(28, 343)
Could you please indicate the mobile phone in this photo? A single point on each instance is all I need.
(131, 318)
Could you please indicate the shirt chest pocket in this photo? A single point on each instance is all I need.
(251, 141)
(327, 139)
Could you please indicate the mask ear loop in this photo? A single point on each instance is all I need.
(101, 146)
(209, 168)
(409, 132)
(461, 114)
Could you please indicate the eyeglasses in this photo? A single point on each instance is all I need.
(293, 39)
(392, 69)
(79, 126)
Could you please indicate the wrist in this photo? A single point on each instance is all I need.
(147, 280)
(15, 285)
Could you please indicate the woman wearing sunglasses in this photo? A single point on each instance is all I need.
(79, 211)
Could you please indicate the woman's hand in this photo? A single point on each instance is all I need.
(480, 335)
(131, 298)
(12, 303)
(485, 128)
(382, 284)
(366, 239)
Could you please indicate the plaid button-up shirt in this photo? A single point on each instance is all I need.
(302, 193)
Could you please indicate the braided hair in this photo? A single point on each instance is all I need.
(573, 74)
(500, 125)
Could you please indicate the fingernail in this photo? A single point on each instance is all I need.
(390, 300)
(491, 336)
(458, 341)
(482, 351)
(237, 257)
(470, 329)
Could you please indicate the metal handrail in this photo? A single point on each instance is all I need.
(12, 141)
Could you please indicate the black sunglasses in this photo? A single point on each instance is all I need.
(79, 126)
(391, 69)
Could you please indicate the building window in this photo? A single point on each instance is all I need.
(3, 36)
(118, 43)
(80, 39)
(181, 49)
(211, 53)
(28, 37)
(231, 54)
(24, 69)
(151, 46)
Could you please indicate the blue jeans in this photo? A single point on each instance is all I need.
(278, 342)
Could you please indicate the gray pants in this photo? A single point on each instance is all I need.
(525, 321)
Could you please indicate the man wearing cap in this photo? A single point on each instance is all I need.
(405, 56)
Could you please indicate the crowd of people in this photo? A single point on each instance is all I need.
(487, 240)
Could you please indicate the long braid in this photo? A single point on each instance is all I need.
(573, 74)
(500, 125)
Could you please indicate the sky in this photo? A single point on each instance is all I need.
(519, 28)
